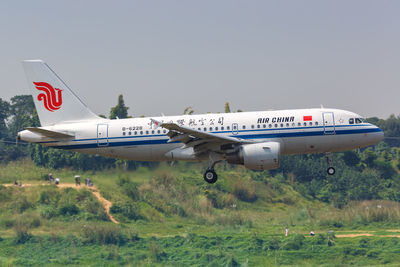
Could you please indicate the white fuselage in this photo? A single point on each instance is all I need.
(298, 131)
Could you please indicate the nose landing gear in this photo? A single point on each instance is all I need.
(331, 170)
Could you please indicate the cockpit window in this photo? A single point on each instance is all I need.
(351, 121)
(359, 120)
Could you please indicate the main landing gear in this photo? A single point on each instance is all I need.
(331, 170)
(210, 176)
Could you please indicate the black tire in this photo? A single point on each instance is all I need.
(210, 176)
(331, 171)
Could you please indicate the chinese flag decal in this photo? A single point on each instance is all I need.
(307, 118)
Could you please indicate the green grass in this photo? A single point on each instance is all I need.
(169, 216)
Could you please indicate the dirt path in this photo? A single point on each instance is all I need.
(353, 235)
(106, 203)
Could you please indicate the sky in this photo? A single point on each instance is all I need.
(164, 56)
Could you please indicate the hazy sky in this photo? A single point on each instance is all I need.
(166, 55)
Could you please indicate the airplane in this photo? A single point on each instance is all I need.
(253, 139)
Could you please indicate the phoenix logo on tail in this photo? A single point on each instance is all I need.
(52, 97)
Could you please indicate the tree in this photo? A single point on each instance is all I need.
(188, 111)
(351, 158)
(23, 113)
(4, 112)
(227, 108)
(120, 110)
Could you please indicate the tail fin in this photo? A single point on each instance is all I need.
(54, 101)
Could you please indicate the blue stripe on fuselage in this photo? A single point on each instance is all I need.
(243, 136)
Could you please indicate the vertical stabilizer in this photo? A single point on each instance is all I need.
(54, 100)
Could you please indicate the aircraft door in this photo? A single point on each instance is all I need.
(102, 134)
(329, 122)
(235, 128)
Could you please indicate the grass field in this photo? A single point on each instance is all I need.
(170, 216)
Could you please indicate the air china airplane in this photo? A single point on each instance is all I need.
(253, 139)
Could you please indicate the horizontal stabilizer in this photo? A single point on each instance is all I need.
(48, 133)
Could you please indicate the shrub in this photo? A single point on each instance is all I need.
(21, 204)
(295, 242)
(48, 196)
(244, 191)
(21, 229)
(47, 211)
(104, 234)
(128, 209)
(68, 209)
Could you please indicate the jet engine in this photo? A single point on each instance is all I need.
(259, 156)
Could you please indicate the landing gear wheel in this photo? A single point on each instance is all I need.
(331, 171)
(210, 176)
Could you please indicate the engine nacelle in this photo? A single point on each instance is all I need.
(259, 156)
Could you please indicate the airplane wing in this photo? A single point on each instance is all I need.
(48, 133)
(195, 138)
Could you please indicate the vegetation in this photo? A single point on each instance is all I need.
(169, 216)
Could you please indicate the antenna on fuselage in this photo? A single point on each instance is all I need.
(322, 107)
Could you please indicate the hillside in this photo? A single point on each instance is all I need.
(168, 215)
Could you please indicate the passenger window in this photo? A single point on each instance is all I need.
(305, 124)
(244, 127)
(135, 133)
(157, 131)
(199, 129)
(210, 129)
(293, 124)
(147, 132)
(282, 125)
(164, 131)
(252, 126)
(222, 128)
(123, 133)
(276, 125)
(351, 121)
(141, 132)
(264, 126)
(216, 128)
(270, 126)
(299, 124)
(287, 125)
(316, 123)
(130, 133)
(227, 127)
(258, 126)
(205, 129)
(310, 123)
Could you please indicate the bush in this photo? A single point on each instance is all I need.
(128, 209)
(295, 242)
(48, 196)
(21, 229)
(68, 209)
(47, 211)
(244, 191)
(21, 204)
(104, 234)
